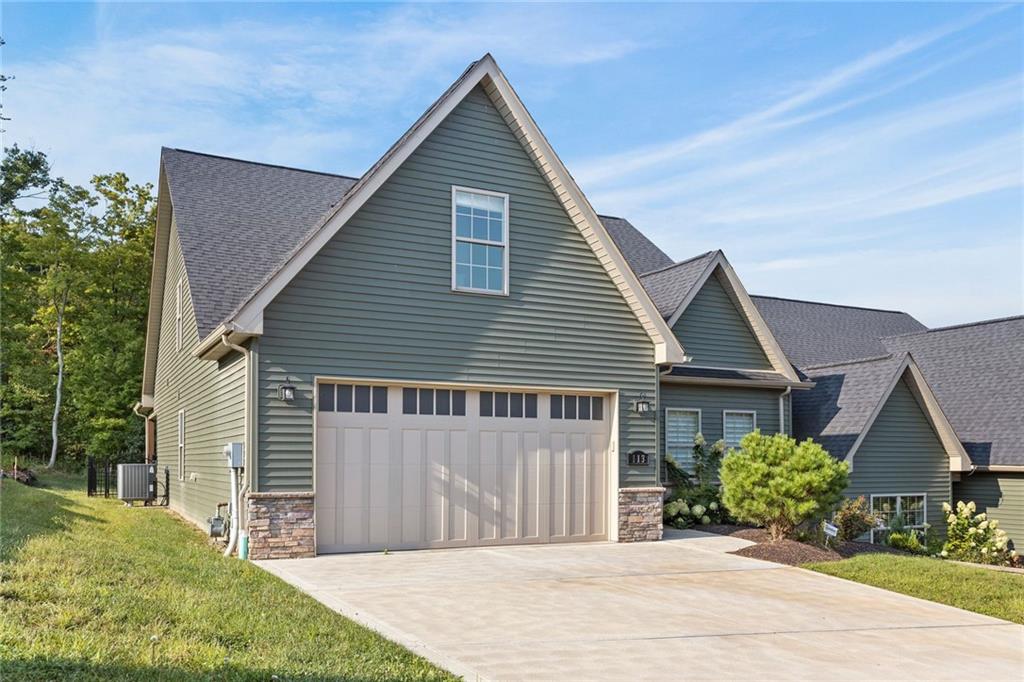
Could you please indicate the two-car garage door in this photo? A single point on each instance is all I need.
(403, 467)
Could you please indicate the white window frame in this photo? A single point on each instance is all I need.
(487, 242)
(181, 445)
(899, 509)
(726, 413)
(700, 423)
(178, 305)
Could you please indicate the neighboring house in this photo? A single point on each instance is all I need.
(966, 381)
(977, 373)
(455, 350)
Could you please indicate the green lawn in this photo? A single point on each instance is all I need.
(993, 593)
(85, 583)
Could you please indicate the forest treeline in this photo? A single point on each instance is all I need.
(73, 299)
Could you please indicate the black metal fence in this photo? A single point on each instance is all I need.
(100, 477)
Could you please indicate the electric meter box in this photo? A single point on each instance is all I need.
(235, 452)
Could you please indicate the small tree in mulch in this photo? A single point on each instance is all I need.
(854, 519)
(777, 483)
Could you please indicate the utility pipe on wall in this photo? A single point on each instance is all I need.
(238, 490)
(782, 410)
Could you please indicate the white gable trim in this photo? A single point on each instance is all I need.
(958, 458)
(485, 72)
(736, 291)
(158, 272)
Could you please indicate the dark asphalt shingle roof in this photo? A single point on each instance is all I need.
(820, 333)
(977, 374)
(237, 220)
(736, 374)
(836, 411)
(668, 286)
(639, 251)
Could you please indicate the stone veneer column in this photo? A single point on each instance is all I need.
(281, 525)
(640, 511)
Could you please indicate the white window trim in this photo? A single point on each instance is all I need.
(181, 445)
(700, 421)
(899, 509)
(726, 413)
(504, 243)
(178, 324)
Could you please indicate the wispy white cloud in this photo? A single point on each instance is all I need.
(613, 167)
(296, 92)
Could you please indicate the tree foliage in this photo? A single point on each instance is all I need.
(81, 256)
(773, 481)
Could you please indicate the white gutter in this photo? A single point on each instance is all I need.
(782, 409)
(240, 489)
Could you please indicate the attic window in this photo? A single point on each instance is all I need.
(180, 294)
(479, 241)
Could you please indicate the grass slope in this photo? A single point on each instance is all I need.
(993, 593)
(85, 583)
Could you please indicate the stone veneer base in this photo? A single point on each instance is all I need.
(281, 526)
(640, 514)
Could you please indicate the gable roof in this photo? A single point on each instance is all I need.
(977, 373)
(672, 288)
(819, 333)
(669, 286)
(639, 251)
(847, 398)
(237, 220)
(252, 227)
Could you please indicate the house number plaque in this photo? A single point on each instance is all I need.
(638, 458)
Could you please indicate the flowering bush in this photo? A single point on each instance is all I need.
(972, 537)
(853, 519)
(694, 505)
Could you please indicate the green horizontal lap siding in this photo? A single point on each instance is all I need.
(713, 400)
(376, 302)
(715, 333)
(902, 454)
(1001, 496)
(212, 395)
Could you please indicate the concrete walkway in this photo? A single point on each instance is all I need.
(680, 608)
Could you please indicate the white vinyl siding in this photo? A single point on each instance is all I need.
(479, 241)
(737, 424)
(181, 445)
(178, 326)
(912, 507)
(681, 427)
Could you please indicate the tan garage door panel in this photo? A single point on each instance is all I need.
(401, 481)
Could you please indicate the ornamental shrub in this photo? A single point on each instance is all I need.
(690, 505)
(773, 481)
(907, 540)
(973, 537)
(853, 519)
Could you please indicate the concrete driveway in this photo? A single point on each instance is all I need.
(676, 609)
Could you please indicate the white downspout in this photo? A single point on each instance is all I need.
(238, 491)
(782, 409)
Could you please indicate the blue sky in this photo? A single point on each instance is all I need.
(868, 154)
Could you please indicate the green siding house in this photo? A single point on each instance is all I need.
(455, 350)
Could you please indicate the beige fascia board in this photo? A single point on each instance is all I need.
(212, 348)
(1000, 469)
(485, 72)
(158, 272)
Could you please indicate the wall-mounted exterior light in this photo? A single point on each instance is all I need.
(642, 405)
(286, 392)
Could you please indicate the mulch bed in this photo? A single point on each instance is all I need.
(792, 552)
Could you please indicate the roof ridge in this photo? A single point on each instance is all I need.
(857, 361)
(260, 163)
(963, 325)
(833, 305)
(682, 262)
